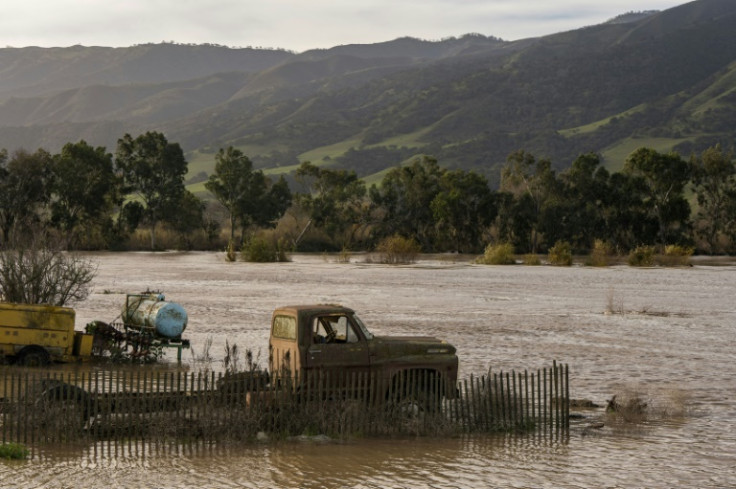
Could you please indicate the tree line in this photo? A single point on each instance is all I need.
(87, 198)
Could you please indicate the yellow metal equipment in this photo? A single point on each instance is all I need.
(34, 334)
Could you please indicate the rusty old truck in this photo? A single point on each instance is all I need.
(319, 340)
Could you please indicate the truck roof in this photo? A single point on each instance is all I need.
(314, 308)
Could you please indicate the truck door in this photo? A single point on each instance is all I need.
(283, 351)
(337, 346)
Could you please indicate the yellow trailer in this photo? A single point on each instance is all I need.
(36, 334)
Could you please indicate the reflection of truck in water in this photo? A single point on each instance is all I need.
(35, 334)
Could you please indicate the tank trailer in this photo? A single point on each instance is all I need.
(37, 334)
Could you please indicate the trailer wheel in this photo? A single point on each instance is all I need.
(61, 409)
(33, 356)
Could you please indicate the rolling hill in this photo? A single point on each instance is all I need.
(666, 78)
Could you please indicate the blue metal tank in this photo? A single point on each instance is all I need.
(151, 311)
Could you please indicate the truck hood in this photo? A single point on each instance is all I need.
(413, 345)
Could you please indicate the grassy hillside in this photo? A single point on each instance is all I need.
(666, 79)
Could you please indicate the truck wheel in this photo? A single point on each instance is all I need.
(62, 408)
(33, 356)
(419, 395)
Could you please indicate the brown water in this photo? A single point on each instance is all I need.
(670, 336)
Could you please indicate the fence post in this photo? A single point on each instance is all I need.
(551, 400)
(544, 398)
(557, 395)
(6, 402)
(567, 397)
(511, 401)
(534, 402)
(484, 404)
(455, 404)
(490, 418)
(500, 404)
(464, 406)
(25, 417)
(477, 415)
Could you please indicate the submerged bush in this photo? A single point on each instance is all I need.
(262, 250)
(498, 254)
(560, 254)
(13, 451)
(600, 256)
(675, 256)
(397, 249)
(641, 256)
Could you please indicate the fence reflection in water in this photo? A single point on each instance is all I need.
(46, 407)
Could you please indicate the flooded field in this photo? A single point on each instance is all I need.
(667, 336)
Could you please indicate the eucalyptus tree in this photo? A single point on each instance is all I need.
(232, 184)
(463, 208)
(154, 170)
(664, 177)
(25, 184)
(334, 200)
(404, 200)
(534, 185)
(82, 189)
(247, 194)
(714, 184)
(585, 190)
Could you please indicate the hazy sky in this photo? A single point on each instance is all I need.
(296, 25)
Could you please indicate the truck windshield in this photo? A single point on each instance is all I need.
(368, 335)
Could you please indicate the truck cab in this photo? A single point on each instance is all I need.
(332, 338)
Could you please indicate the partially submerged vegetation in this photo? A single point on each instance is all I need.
(14, 451)
(397, 249)
(498, 254)
(601, 255)
(560, 254)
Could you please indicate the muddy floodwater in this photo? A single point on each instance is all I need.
(664, 336)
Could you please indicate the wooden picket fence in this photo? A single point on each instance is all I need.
(39, 407)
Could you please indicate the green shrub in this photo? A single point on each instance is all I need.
(397, 249)
(532, 259)
(641, 256)
(601, 254)
(498, 254)
(262, 250)
(675, 256)
(560, 254)
(13, 451)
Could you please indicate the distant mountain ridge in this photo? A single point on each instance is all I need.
(665, 79)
